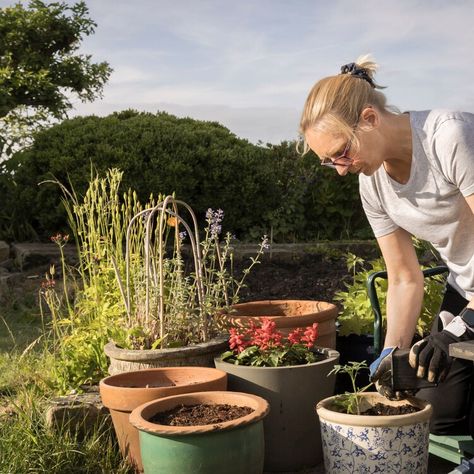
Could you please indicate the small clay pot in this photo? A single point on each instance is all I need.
(122, 393)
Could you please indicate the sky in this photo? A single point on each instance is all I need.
(249, 64)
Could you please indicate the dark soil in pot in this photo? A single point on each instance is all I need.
(202, 414)
(380, 409)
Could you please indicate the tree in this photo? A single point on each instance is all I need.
(40, 68)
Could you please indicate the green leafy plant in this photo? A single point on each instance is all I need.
(349, 402)
(137, 282)
(40, 68)
(357, 316)
(166, 305)
(264, 346)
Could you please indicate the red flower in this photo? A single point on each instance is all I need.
(295, 336)
(266, 338)
(60, 238)
(237, 340)
(310, 335)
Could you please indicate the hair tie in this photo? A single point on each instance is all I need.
(354, 70)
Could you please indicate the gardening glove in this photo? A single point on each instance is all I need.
(381, 375)
(430, 356)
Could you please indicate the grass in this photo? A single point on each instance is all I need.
(27, 443)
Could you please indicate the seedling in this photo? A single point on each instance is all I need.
(349, 402)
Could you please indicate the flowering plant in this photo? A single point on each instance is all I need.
(264, 346)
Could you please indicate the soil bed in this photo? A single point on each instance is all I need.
(308, 277)
(380, 409)
(201, 414)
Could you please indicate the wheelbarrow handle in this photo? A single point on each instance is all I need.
(374, 301)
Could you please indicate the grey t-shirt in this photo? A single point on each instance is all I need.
(431, 205)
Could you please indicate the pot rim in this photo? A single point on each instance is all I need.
(126, 398)
(213, 374)
(326, 414)
(331, 356)
(324, 310)
(111, 349)
(140, 415)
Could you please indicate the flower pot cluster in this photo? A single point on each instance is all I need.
(281, 433)
(282, 378)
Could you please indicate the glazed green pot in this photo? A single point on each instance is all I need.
(233, 447)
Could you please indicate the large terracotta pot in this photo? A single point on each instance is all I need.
(126, 360)
(122, 393)
(359, 443)
(231, 447)
(292, 432)
(288, 315)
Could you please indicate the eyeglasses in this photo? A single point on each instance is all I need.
(335, 162)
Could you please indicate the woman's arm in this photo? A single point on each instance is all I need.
(470, 201)
(405, 287)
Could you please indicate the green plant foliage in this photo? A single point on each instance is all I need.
(40, 67)
(349, 402)
(158, 303)
(269, 190)
(357, 316)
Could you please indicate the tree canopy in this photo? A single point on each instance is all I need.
(40, 67)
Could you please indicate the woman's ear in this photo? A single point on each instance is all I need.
(369, 118)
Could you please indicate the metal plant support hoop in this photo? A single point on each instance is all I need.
(154, 263)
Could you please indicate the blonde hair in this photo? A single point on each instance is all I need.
(336, 102)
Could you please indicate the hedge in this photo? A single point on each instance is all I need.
(258, 187)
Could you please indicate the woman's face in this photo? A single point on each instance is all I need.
(336, 148)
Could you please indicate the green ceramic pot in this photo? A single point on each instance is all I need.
(233, 447)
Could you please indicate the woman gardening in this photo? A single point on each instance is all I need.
(416, 177)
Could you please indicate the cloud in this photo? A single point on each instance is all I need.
(241, 60)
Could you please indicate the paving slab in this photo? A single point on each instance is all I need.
(29, 255)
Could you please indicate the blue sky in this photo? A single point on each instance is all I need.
(249, 64)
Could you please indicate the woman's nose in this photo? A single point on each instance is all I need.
(343, 170)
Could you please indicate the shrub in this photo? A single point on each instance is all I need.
(261, 189)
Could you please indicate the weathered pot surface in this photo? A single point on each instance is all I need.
(140, 416)
(126, 360)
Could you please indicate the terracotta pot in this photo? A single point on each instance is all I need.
(122, 393)
(361, 443)
(202, 355)
(288, 315)
(233, 447)
(292, 432)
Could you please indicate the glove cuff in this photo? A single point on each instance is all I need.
(457, 327)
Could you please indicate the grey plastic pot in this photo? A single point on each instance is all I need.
(292, 431)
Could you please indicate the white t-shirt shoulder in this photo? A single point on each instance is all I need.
(431, 204)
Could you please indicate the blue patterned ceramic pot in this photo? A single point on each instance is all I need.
(395, 444)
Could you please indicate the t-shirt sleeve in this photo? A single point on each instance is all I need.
(378, 219)
(454, 145)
